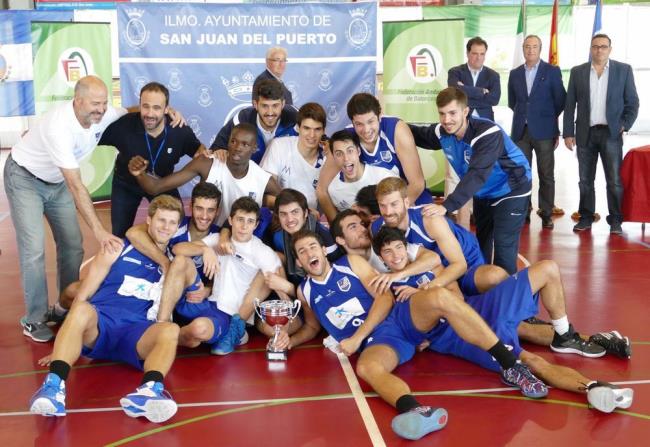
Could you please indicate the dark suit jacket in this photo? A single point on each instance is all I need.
(478, 101)
(542, 107)
(622, 104)
(266, 74)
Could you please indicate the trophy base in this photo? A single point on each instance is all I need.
(276, 356)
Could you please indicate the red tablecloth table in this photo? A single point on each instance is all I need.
(635, 175)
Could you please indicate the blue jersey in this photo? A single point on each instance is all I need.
(128, 283)
(415, 281)
(341, 303)
(385, 155)
(488, 162)
(416, 233)
(183, 235)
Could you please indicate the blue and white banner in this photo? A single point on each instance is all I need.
(16, 71)
(208, 55)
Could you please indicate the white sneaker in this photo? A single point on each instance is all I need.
(606, 398)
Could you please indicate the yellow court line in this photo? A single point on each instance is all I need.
(367, 395)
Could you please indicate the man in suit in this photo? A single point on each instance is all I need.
(608, 104)
(480, 83)
(536, 96)
(276, 64)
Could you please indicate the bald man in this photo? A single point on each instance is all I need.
(42, 178)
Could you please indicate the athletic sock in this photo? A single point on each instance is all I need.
(502, 355)
(561, 325)
(406, 403)
(60, 368)
(152, 376)
(59, 310)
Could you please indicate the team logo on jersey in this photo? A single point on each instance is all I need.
(344, 284)
(467, 155)
(358, 33)
(386, 156)
(135, 33)
(317, 299)
(205, 99)
(330, 292)
(252, 195)
(424, 279)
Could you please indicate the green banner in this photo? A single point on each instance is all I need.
(64, 53)
(417, 56)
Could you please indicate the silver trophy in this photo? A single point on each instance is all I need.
(276, 313)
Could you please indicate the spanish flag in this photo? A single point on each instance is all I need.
(553, 57)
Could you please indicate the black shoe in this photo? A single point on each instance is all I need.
(547, 223)
(614, 343)
(615, 228)
(52, 318)
(582, 225)
(572, 343)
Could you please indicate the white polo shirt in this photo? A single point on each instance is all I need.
(57, 140)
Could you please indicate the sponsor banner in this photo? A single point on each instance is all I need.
(417, 56)
(63, 54)
(208, 55)
(16, 72)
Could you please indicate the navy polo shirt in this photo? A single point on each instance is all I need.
(127, 134)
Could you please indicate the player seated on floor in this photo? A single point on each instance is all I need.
(111, 319)
(504, 307)
(340, 298)
(458, 248)
(238, 279)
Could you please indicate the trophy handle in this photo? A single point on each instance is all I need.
(256, 305)
(295, 308)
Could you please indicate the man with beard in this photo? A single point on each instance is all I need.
(268, 115)
(146, 133)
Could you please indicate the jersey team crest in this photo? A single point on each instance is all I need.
(344, 284)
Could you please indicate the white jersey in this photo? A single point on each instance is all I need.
(57, 140)
(252, 185)
(283, 159)
(236, 272)
(378, 264)
(344, 194)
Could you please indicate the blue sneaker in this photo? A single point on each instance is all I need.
(49, 400)
(151, 401)
(521, 377)
(419, 421)
(236, 331)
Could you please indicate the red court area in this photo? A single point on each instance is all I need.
(239, 400)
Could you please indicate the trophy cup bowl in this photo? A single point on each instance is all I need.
(276, 313)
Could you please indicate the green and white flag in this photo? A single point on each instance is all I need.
(518, 58)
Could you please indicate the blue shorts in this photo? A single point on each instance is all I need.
(399, 333)
(503, 308)
(467, 283)
(119, 333)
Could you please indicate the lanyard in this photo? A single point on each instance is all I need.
(162, 143)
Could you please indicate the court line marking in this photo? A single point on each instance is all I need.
(287, 400)
(362, 404)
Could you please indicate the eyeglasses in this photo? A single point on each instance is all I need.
(281, 61)
(599, 47)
